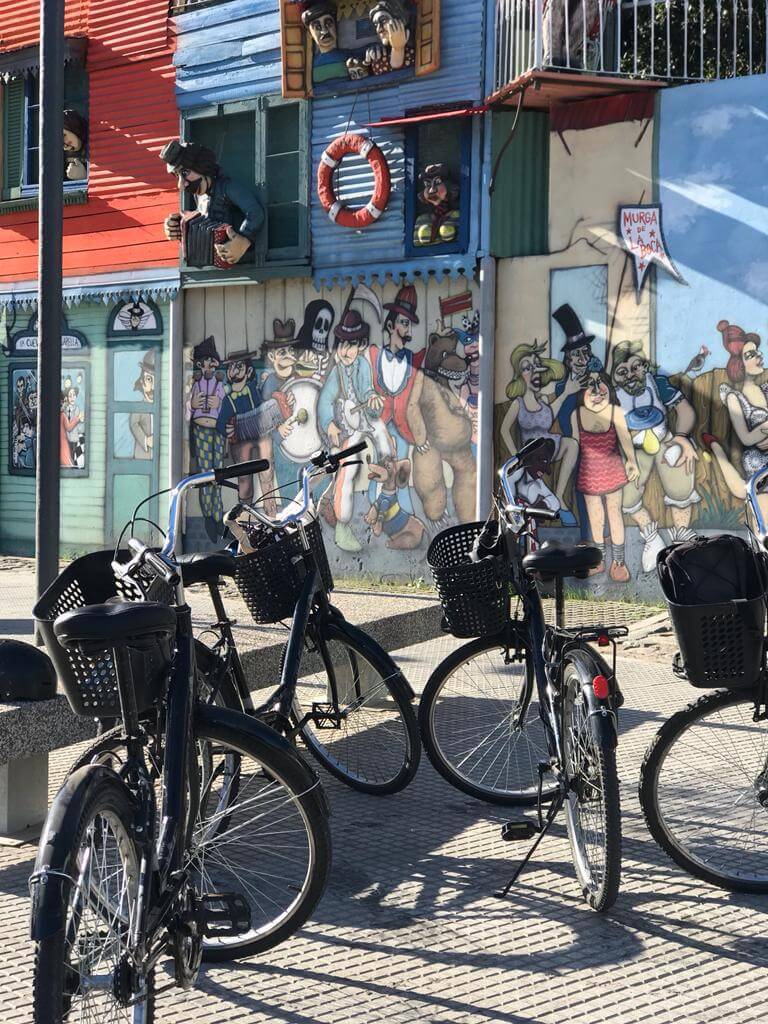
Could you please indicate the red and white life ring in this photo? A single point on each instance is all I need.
(330, 160)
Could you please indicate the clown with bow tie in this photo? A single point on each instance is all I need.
(394, 373)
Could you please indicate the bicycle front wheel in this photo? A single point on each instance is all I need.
(704, 791)
(481, 727)
(592, 807)
(353, 716)
(82, 971)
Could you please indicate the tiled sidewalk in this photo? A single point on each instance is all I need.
(409, 931)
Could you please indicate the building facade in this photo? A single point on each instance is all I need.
(120, 273)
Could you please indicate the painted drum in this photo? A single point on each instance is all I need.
(304, 440)
(646, 417)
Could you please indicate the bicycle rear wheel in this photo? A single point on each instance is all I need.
(592, 806)
(81, 970)
(704, 791)
(374, 745)
(480, 725)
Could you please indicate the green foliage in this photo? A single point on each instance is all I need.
(663, 44)
(717, 514)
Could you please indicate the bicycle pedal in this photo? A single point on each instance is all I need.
(518, 830)
(223, 915)
(324, 716)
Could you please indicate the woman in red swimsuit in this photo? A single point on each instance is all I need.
(606, 463)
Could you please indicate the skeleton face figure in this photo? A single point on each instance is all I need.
(323, 32)
(321, 329)
(318, 321)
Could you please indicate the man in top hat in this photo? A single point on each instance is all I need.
(394, 372)
(206, 443)
(246, 420)
(329, 62)
(348, 412)
(213, 194)
(142, 424)
(661, 422)
(578, 360)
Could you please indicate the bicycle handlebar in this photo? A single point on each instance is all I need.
(241, 469)
(332, 461)
(142, 555)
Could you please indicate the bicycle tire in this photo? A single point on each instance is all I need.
(597, 862)
(107, 801)
(695, 839)
(275, 765)
(384, 721)
(465, 758)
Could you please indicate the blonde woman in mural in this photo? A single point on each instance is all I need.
(606, 464)
(533, 413)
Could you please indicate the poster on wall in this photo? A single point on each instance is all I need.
(22, 407)
(134, 318)
(641, 233)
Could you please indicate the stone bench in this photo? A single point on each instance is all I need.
(29, 732)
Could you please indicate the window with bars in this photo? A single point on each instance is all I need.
(264, 143)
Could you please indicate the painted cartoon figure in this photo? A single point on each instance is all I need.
(439, 194)
(25, 450)
(607, 464)
(75, 139)
(534, 415)
(207, 445)
(649, 400)
(329, 62)
(70, 429)
(349, 411)
(215, 196)
(403, 531)
(395, 368)
(578, 360)
(528, 480)
(745, 395)
(395, 50)
(246, 420)
(142, 424)
(315, 332)
(281, 354)
(442, 432)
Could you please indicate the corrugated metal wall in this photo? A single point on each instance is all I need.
(227, 52)
(520, 203)
(20, 21)
(459, 80)
(132, 113)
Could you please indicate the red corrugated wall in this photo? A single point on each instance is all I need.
(132, 113)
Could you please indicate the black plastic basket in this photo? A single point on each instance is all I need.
(474, 595)
(89, 681)
(270, 580)
(721, 645)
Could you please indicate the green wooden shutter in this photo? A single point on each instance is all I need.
(13, 138)
(520, 202)
(284, 164)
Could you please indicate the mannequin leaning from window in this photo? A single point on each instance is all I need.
(214, 196)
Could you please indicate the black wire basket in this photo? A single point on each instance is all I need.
(474, 595)
(270, 579)
(721, 645)
(89, 680)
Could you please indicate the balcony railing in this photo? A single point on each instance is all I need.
(686, 40)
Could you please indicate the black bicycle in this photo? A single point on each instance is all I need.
(527, 713)
(704, 779)
(339, 690)
(191, 831)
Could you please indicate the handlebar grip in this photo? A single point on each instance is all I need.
(241, 469)
(163, 570)
(541, 513)
(348, 452)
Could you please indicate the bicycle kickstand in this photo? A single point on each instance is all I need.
(516, 830)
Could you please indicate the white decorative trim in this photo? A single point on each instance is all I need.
(368, 145)
(329, 161)
(374, 211)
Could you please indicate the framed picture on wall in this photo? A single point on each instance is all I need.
(73, 443)
(22, 413)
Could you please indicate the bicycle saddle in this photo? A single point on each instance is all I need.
(123, 624)
(553, 560)
(204, 568)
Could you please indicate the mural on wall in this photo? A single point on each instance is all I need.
(134, 382)
(226, 215)
(396, 367)
(72, 445)
(133, 318)
(658, 410)
(23, 420)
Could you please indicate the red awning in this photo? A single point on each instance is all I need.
(428, 115)
(626, 106)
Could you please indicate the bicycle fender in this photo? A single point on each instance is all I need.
(602, 718)
(49, 889)
(239, 722)
(390, 669)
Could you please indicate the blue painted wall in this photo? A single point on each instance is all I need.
(340, 252)
(227, 52)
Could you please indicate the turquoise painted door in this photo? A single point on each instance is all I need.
(133, 435)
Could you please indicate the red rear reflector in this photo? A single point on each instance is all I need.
(603, 640)
(601, 687)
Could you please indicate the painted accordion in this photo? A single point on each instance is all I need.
(199, 235)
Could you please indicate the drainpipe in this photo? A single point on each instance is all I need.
(176, 418)
(485, 465)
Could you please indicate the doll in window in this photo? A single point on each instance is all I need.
(439, 195)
